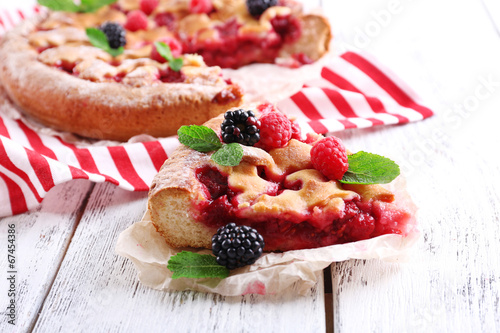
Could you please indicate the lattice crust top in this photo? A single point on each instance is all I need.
(61, 40)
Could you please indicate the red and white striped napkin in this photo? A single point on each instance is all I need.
(10, 17)
(353, 92)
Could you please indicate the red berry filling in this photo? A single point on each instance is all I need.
(232, 50)
(65, 66)
(166, 20)
(357, 221)
(172, 76)
(119, 77)
(302, 59)
(228, 95)
(288, 27)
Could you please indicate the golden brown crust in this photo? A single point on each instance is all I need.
(315, 39)
(103, 110)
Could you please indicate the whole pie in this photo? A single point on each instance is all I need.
(278, 191)
(55, 74)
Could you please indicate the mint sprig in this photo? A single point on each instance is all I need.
(98, 39)
(164, 50)
(85, 6)
(368, 168)
(204, 139)
(199, 138)
(194, 265)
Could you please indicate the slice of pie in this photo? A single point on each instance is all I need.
(277, 191)
(51, 70)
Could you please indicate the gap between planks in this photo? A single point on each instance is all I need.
(78, 217)
(328, 298)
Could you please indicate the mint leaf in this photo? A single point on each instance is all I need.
(368, 168)
(164, 50)
(86, 6)
(204, 139)
(99, 39)
(60, 5)
(200, 138)
(176, 64)
(194, 265)
(90, 6)
(115, 52)
(229, 155)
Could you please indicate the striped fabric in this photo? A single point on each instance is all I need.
(354, 91)
(10, 17)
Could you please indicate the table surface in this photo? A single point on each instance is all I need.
(70, 279)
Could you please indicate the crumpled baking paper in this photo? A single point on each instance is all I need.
(273, 273)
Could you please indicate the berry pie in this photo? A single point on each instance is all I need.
(288, 187)
(53, 69)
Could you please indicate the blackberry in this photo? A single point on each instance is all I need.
(237, 246)
(115, 34)
(257, 7)
(240, 126)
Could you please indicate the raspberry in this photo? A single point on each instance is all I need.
(275, 130)
(175, 48)
(200, 6)
(329, 157)
(257, 7)
(237, 246)
(114, 33)
(240, 126)
(148, 6)
(136, 20)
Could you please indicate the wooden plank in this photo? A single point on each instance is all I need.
(42, 237)
(451, 283)
(97, 290)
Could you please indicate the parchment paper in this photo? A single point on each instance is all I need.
(273, 272)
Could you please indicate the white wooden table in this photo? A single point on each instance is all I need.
(70, 280)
